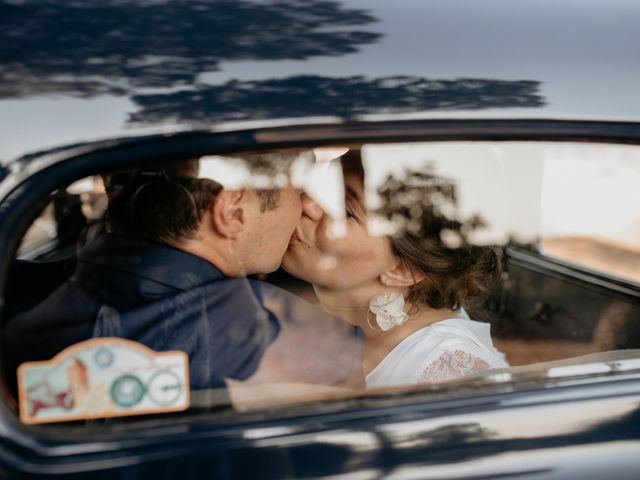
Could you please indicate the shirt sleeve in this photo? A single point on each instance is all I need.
(450, 365)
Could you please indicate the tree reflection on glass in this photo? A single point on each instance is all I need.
(312, 95)
(155, 53)
(425, 204)
(94, 47)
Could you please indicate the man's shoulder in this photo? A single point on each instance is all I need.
(116, 255)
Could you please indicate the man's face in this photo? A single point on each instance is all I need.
(268, 233)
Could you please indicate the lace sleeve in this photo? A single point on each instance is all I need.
(451, 365)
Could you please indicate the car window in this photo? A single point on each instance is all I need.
(72, 216)
(589, 214)
(41, 233)
(258, 279)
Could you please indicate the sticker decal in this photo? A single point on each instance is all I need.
(100, 378)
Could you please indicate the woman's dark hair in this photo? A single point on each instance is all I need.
(452, 274)
(453, 277)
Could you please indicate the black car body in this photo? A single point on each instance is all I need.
(91, 86)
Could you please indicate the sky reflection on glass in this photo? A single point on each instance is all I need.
(78, 71)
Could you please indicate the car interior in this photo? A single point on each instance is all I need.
(569, 287)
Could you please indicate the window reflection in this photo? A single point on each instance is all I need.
(311, 274)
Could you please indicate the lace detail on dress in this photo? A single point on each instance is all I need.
(452, 365)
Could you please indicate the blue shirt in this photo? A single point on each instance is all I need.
(168, 299)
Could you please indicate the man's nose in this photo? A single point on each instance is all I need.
(311, 209)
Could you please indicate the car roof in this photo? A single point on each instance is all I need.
(72, 74)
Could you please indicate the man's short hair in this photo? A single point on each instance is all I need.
(270, 166)
(269, 199)
(159, 203)
(165, 203)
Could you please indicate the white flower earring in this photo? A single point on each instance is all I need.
(388, 310)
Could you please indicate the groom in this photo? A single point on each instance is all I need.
(170, 273)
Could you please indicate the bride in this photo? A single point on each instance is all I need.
(406, 292)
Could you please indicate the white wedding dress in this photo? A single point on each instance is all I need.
(442, 351)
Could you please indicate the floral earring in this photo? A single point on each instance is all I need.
(388, 310)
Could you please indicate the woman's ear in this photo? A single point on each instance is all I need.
(401, 275)
(227, 213)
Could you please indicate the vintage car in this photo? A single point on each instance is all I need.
(515, 125)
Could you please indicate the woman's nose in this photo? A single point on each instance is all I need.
(311, 209)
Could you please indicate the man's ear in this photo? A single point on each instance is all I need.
(401, 275)
(227, 212)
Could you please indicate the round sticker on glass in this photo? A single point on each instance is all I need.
(164, 388)
(127, 391)
(103, 357)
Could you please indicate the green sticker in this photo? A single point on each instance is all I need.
(127, 391)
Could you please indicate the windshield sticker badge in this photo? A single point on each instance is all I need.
(100, 378)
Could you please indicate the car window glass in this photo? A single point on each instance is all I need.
(589, 207)
(473, 170)
(43, 230)
(262, 278)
